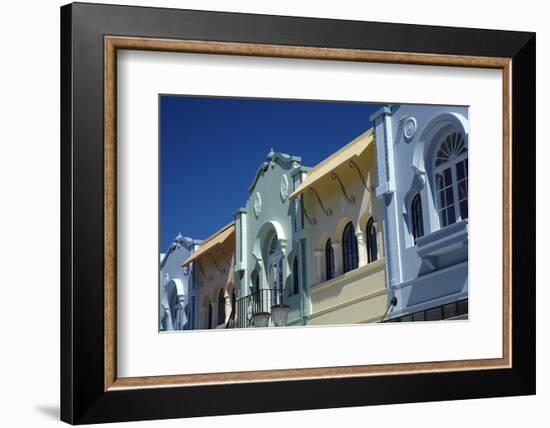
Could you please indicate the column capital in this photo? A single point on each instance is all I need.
(380, 112)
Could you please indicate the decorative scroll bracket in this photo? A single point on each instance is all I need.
(215, 263)
(311, 221)
(353, 165)
(202, 272)
(350, 198)
(312, 191)
(224, 255)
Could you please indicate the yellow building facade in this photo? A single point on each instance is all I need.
(213, 285)
(346, 260)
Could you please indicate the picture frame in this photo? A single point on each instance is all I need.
(91, 391)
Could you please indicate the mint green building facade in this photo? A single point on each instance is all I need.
(270, 258)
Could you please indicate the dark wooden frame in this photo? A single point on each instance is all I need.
(89, 389)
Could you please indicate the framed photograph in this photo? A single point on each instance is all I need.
(291, 213)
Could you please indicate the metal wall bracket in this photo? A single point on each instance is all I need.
(353, 165)
(312, 191)
(215, 263)
(224, 255)
(311, 221)
(350, 198)
(202, 272)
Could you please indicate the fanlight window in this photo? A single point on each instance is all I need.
(450, 148)
(274, 245)
(451, 179)
(329, 260)
(349, 246)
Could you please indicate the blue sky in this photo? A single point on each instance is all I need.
(211, 147)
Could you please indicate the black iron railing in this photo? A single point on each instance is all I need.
(259, 301)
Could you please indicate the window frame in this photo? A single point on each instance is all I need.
(295, 276)
(221, 307)
(417, 217)
(450, 164)
(354, 247)
(369, 240)
(330, 261)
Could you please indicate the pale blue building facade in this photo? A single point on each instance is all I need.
(422, 175)
(178, 293)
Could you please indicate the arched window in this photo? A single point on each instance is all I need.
(451, 179)
(188, 317)
(275, 264)
(416, 217)
(255, 282)
(372, 244)
(221, 307)
(329, 260)
(295, 276)
(349, 247)
(255, 290)
(209, 315)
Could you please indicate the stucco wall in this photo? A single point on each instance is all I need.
(355, 297)
(211, 278)
(269, 211)
(359, 295)
(175, 281)
(406, 138)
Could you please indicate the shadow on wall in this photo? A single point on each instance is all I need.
(51, 411)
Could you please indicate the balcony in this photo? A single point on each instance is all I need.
(256, 309)
(444, 247)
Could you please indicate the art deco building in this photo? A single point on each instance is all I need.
(309, 249)
(176, 285)
(213, 293)
(343, 237)
(376, 232)
(422, 159)
(271, 259)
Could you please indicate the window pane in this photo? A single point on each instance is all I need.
(463, 307)
(451, 214)
(442, 199)
(351, 257)
(449, 311)
(329, 260)
(448, 177)
(372, 247)
(464, 209)
(419, 316)
(417, 218)
(462, 190)
(435, 314)
(451, 181)
(449, 196)
(460, 170)
(439, 181)
(443, 218)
